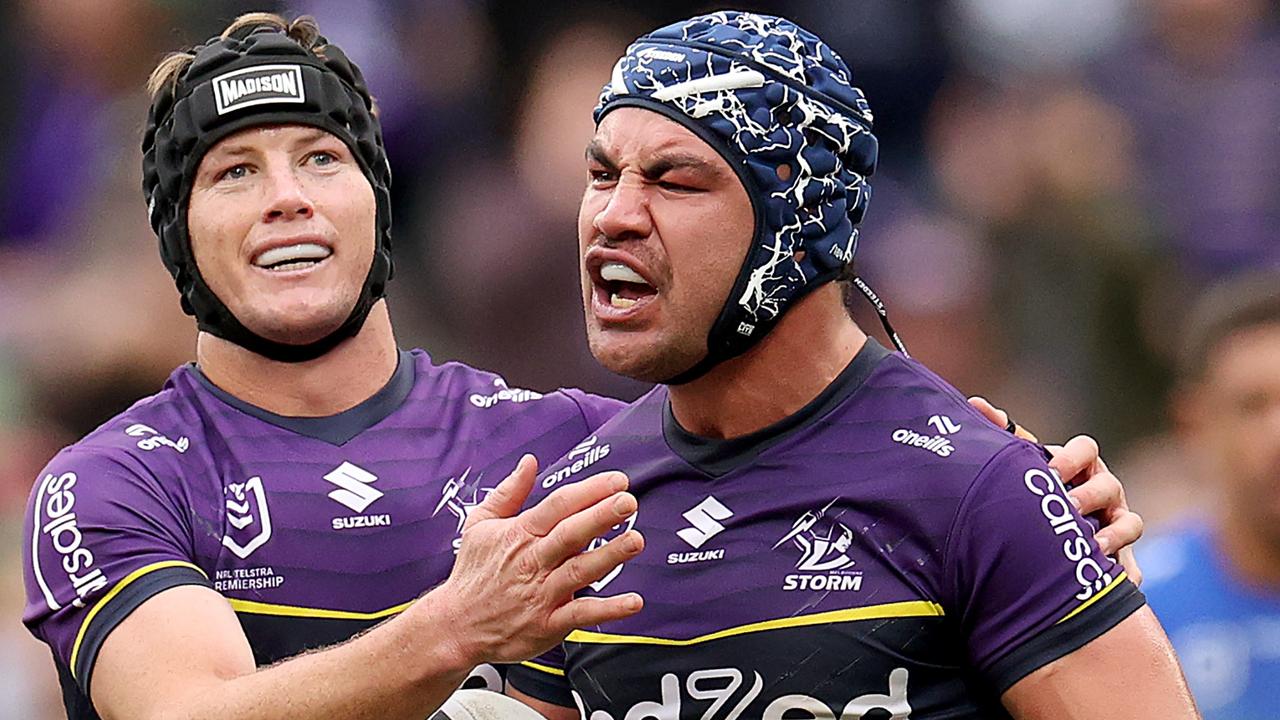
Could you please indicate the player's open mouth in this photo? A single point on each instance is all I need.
(623, 287)
(289, 258)
(619, 292)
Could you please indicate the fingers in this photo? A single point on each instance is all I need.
(582, 570)
(1122, 532)
(1077, 456)
(591, 611)
(1000, 418)
(991, 412)
(1100, 491)
(1130, 564)
(542, 518)
(1024, 433)
(506, 499)
(573, 533)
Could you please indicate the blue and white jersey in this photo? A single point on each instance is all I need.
(1226, 633)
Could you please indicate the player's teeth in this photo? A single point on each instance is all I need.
(618, 301)
(617, 272)
(292, 253)
(286, 267)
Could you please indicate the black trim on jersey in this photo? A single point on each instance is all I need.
(718, 457)
(74, 701)
(1067, 637)
(333, 429)
(111, 614)
(539, 685)
(276, 637)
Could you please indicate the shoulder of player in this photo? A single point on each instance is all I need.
(932, 414)
(627, 437)
(480, 391)
(150, 423)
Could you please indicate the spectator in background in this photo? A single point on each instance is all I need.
(1199, 79)
(1216, 584)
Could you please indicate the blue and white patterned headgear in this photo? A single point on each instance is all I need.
(780, 106)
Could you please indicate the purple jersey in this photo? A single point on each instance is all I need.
(313, 528)
(884, 552)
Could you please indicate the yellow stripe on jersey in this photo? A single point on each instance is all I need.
(259, 608)
(1110, 586)
(543, 668)
(913, 608)
(120, 586)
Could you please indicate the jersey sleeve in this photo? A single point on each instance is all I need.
(543, 678)
(596, 409)
(1026, 577)
(101, 537)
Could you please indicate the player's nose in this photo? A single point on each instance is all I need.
(626, 215)
(286, 195)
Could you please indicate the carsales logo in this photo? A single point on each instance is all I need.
(1076, 548)
(55, 519)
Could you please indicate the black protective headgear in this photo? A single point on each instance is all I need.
(258, 76)
(765, 94)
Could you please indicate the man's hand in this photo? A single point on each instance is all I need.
(182, 653)
(514, 580)
(1092, 488)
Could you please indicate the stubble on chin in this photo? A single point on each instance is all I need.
(297, 327)
(647, 362)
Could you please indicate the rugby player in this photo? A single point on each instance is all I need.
(831, 531)
(305, 481)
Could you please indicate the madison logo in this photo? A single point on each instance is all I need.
(258, 85)
(248, 517)
(460, 497)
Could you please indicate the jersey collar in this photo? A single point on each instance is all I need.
(335, 429)
(718, 457)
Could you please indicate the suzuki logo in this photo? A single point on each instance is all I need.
(353, 482)
(703, 517)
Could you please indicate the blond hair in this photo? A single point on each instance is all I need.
(303, 30)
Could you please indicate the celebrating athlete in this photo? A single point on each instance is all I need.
(225, 548)
(287, 492)
(831, 530)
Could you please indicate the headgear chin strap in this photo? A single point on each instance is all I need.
(258, 76)
(780, 107)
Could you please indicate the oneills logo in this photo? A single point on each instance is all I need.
(257, 86)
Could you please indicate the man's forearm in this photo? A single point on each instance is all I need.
(183, 655)
(403, 668)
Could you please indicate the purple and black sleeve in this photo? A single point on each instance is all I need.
(101, 537)
(1024, 573)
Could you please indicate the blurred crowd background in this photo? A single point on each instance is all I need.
(1058, 181)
